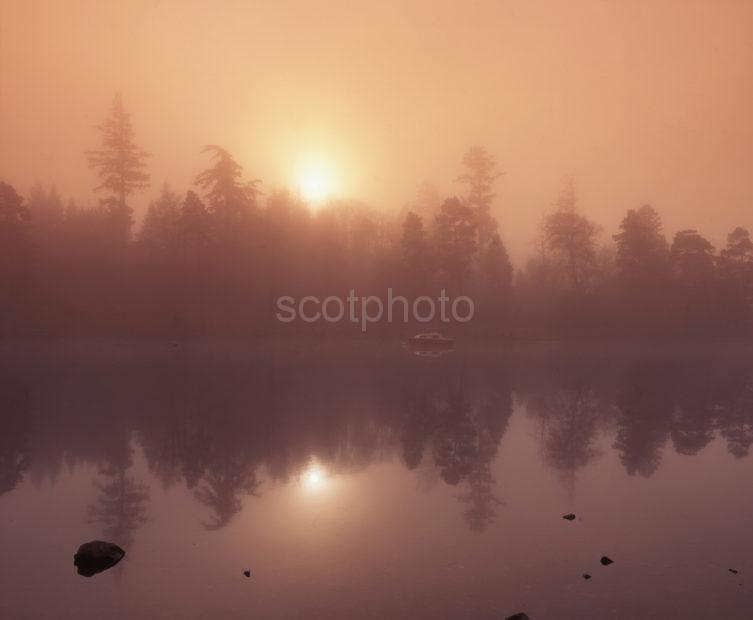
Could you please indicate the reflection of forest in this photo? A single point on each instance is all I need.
(225, 428)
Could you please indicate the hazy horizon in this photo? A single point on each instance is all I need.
(637, 102)
(406, 309)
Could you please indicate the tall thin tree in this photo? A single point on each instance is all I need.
(121, 167)
(480, 172)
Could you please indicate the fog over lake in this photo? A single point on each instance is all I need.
(376, 309)
(365, 481)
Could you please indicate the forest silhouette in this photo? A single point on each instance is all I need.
(212, 259)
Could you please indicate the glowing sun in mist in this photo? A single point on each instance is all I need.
(316, 182)
(314, 478)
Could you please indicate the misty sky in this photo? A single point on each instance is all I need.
(639, 101)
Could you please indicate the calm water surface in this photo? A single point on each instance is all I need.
(358, 482)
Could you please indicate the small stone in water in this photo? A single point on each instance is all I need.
(605, 561)
(569, 517)
(247, 573)
(732, 570)
(586, 576)
(520, 616)
(96, 556)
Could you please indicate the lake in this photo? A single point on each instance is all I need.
(363, 481)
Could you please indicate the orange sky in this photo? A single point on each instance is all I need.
(639, 101)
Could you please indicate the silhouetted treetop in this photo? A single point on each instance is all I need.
(120, 165)
(455, 241)
(229, 197)
(642, 250)
(480, 172)
(692, 256)
(570, 238)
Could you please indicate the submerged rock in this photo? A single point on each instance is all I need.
(732, 570)
(247, 573)
(586, 576)
(520, 616)
(605, 561)
(569, 517)
(96, 556)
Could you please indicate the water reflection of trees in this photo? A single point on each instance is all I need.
(568, 415)
(644, 406)
(120, 507)
(456, 417)
(493, 408)
(693, 420)
(218, 428)
(735, 413)
(226, 480)
(15, 437)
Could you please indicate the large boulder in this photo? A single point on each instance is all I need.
(96, 556)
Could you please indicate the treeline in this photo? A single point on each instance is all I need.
(213, 260)
(640, 283)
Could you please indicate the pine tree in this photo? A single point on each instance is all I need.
(736, 263)
(695, 276)
(121, 167)
(570, 238)
(642, 251)
(15, 247)
(456, 242)
(160, 226)
(496, 268)
(693, 259)
(194, 226)
(229, 198)
(481, 172)
(414, 254)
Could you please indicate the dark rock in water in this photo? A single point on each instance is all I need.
(732, 570)
(247, 573)
(586, 576)
(96, 556)
(569, 517)
(605, 561)
(520, 616)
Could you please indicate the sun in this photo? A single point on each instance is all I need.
(316, 182)
(314, 477)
